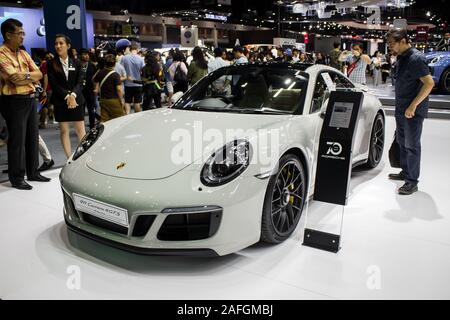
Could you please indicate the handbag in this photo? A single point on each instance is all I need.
(104, 80)
(394, 153)
(180, 76)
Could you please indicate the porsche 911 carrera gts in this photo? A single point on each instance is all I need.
(232, 163)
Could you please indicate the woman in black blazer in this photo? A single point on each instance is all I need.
(66, 79)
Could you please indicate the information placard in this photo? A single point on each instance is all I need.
(341, 116)
(334, 160)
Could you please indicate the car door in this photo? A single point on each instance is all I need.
(315, 117)
(319, 103)
(360, 141)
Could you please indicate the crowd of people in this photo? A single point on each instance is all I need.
(111, 84)
(117, 82)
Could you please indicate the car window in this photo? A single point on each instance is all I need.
(340, 81)
(320, 89)
(248, 89)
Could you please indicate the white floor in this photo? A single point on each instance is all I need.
(393, 247)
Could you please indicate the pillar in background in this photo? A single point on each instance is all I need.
(67, 17)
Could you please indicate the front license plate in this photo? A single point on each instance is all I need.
(101, 210)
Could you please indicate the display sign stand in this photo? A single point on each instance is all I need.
(334, 162)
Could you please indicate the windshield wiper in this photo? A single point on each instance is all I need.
(210, 109)
(240, 110)
(261, 111)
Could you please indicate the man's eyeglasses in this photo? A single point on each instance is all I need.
(22, 34)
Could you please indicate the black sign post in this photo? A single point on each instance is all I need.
(334, 160)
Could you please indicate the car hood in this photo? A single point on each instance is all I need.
(159, 143)
(431, 55)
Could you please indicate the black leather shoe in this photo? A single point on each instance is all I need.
(407, 189)
(397, 176)
(39, 178)
(21, 185)
(45, 166)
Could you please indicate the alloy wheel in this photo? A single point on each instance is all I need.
(287, 198)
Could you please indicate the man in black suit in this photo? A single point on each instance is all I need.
(88, 69)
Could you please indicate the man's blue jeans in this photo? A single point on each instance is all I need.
(408, 135)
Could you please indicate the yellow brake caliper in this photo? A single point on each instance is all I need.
(291, 187)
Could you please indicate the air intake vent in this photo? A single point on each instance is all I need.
(190, 226)
(142, 225)
(104, 224)
(68, 204)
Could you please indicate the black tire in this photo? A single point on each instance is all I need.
(377, 141)
(444, 84)
(284, 200)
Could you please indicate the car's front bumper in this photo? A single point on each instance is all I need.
(236, 223)
(142, 251)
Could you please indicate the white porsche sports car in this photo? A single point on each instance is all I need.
(229, 165)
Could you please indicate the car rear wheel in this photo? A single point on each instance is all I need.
(376, 142)
(444, 84)
(284, 200)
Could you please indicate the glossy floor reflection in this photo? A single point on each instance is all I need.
(393, 247)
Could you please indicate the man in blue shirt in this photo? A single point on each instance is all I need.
(412, 87)
(133, 64)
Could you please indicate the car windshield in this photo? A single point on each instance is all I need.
(248, 89)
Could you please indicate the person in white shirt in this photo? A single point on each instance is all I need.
(239, 55)
(218, 62)
(376, 67)
(295, 55)
(179, 83)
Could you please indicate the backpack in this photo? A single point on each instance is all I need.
(180, 76)
(394, 153)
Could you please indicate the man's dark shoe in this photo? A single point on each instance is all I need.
(45, 166)
(407, 189)
(397, 176)
(21, 185)
(39, 178)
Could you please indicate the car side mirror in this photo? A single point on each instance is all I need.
(323, 109)
(323, 114)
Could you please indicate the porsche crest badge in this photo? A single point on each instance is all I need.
(121, 165)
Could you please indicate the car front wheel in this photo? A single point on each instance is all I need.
(284, 200)
(445, 82)
(376, 142)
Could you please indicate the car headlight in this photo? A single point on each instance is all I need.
(88, 140)
(436, 59)
(226, 164)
